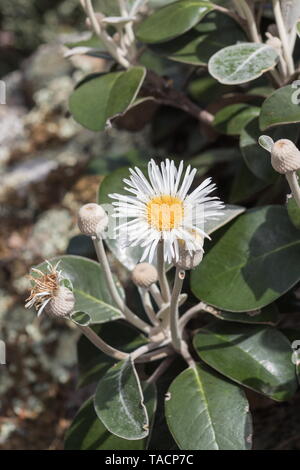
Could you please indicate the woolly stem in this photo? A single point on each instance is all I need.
(147, 304)
(292, 179)
(102, 34)
(250, 20)
(160, 370)
(100, 344)
(283, 36)
(129, 315)
(155, 292)
(174, 320)
(162, 278)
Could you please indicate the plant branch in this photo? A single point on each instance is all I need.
(283, 36)
(292, 179)
(160, 370)
(129, 315)
(162, 278)
(250, 21)
(111, 46)
(161, 89)
(147, 304)
(156, 355)
(100, 344)
(174, 320)
(155, 292)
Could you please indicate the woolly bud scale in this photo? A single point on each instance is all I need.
(285, 156)
(62, 304)
(144, 275)
(92, 219)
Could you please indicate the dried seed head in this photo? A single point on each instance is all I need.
(285, 156)
(189, 260)
(92, 219)
(144, 275)
(62, 304)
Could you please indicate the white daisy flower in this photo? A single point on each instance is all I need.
(160, 208)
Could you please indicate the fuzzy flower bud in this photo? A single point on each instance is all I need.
(285, 157)
(92, 219)
(61, 304)
(274, 42)
(144, 275)
(189, 260)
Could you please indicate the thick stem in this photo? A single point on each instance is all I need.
(129, 315)
(189, 314)
(250, 21)
(112, 48)
(162, 278)
(174, 320)
(147, 348)
(160, 370)
(156, 355)
(283, 37)
(155, 292)
(100, 344)
(136, 6)
(292, 179)
(147, 304)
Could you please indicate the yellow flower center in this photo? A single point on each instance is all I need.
(165, 212)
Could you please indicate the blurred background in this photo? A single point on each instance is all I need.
(49, 167)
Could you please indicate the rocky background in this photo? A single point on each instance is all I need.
(49, 166)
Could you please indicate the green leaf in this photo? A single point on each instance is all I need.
(196, 46)
(245, 185)
(258, 159)
(99, 99)
(91, 294)
(294, 212)
(268, 316)
(88, 433)
(282, 107)
(258, 357)
(252, 264)
(92, 362)
(242, 63)
(205, 412)
(298, 28)
(229, 213)
(119, 402)
(232, 119)
(172, 20)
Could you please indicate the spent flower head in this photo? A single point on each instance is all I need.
(45, 287)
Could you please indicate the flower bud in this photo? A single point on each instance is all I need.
(92, 219)
(61, 304)
(285, 156)
(144, 275)
(189, 260)
(274, 42)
